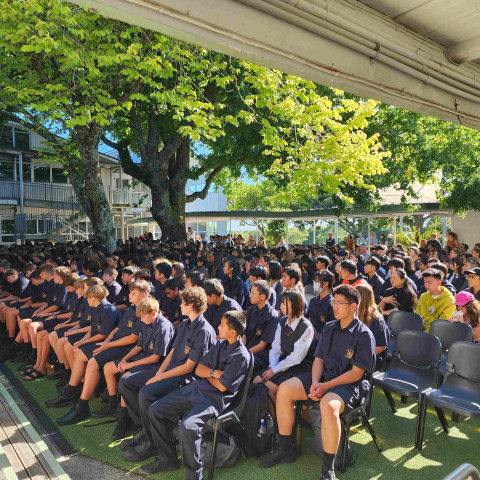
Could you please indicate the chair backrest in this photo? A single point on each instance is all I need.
(461, 369)
(466, 471)
(382, 366)
(419, 350)
(449, 333)
(399, 321)
(238, 403)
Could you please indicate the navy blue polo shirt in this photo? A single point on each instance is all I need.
(376, 282)
(104, 319)
(85, 315)
(158, 292)
(21, 286)
(38, 292)
(61, 296)
(215, 313)
(320, 312)
(236, 289)
(113, 290)
(379, 330)
(171, 309)
(261, 327)
(157, 337)
(233, 360)
(123, 296)
(340, 349)
(51, 289)
(192, 342)
(129, 324)
(70, 302)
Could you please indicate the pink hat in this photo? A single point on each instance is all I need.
(463, 298)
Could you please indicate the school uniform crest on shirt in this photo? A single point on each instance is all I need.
(151, 346)
(54, 299)
(349, 353)
(130, 324)
(176, 314)
(44, 295)
(259, 332)
(323, 318)
(187, 350)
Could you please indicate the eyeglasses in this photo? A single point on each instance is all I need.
(334, 303)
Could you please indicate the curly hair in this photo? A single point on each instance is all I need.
(196, 297)
(473, 311)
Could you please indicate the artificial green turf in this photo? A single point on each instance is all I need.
(399, 459)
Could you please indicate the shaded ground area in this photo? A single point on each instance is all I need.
(398, 461)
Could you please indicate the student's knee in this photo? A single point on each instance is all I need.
(290, 390)
(92, 365)
(109, 369)
(330, 405)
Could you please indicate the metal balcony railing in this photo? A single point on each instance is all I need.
(49, 192)
(126, 196)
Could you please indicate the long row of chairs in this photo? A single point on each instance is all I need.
(439, 368)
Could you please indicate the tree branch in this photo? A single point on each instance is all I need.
(196, 195)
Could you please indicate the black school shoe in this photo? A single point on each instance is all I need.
(137, 439)
(330, 475)
(107, 411)
(159, 465)
(75, 415)
(58, 373)
(123, 429)
(271, 459)
(62, 400)
(141, 452)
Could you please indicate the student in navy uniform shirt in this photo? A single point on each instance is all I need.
(218, 302)
(275, 270)
(54, 297)
(294, 335)
(233, 286)
(118, 344)
(320, 310)
(262, 321)
(170, 305)
(344, 358)
(372, 265)
(113, 287)
(38, 370)
(194, 338)
(259, 272)
(221, 371)
(105, 318)
(122, 300)
(163, 271)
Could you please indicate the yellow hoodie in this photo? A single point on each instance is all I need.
(433, 308)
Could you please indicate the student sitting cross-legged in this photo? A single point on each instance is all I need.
(344, 356)
(221, 373)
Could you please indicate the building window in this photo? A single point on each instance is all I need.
(41, 174)
(6, 140)
(22, 140)
(6, 168)
(59, 176)
(27, 172)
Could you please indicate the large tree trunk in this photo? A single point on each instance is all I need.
(168, 210)
(87, 182)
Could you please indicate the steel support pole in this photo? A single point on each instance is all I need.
(369, 241)
(337, 241)
(394, 229)
(314, 233)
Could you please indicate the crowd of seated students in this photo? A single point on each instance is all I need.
(169, 327)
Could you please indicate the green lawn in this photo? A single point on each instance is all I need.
(398, 461)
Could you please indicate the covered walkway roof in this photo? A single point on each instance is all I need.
(305, 215)
(421, 55)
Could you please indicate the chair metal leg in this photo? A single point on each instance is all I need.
(390, 400)
(369, 406)
(371, 431)
(214, 452)
(455, 417)
(443, 419)
(421, 416)
(346, 434)
(404, 399)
